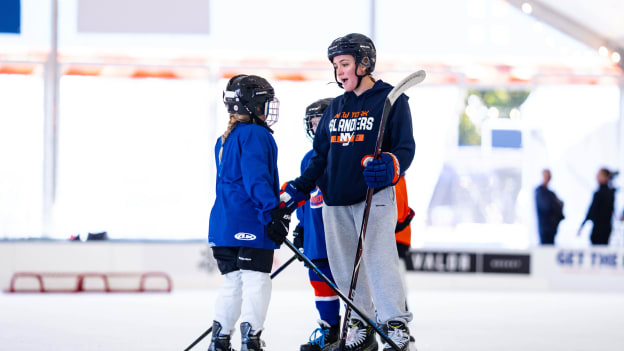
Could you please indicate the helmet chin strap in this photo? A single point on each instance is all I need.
(358, 83)
(359, 80)
(357, 75)
(257, 120)
(336, 79)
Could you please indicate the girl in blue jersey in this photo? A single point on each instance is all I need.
(343, 169)
(241, 221)
(309, 235)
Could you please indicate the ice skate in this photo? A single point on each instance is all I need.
(398, 332)
(250, 339)
(360, 337)
(219, 342)
(323, 338)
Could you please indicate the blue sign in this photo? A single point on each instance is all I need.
(10, 16)
(507, 138)
(579, 258)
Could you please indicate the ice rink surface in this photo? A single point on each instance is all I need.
(443, 320)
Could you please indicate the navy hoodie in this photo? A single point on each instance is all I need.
(346, 133)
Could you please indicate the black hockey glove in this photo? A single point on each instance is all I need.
(298, 237)
(277, 229)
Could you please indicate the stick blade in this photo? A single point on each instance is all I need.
(405, 84)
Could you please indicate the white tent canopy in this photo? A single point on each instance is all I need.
(594, 23)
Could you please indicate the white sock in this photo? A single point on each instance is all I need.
(228, 304)
(256, 297)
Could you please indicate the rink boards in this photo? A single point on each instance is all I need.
(191, 266)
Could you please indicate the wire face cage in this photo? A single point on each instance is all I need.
(310, 123)
(271, 111)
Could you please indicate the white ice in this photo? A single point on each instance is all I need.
(443, 320)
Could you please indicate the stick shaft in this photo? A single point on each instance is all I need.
(346, 300)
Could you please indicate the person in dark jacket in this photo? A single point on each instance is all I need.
(601, 209)
(343, 169)
(549, 210)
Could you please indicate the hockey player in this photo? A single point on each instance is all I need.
(241, 220)
(310, 236)
(343, 168)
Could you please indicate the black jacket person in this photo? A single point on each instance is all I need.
(601, 209)
(549, 211)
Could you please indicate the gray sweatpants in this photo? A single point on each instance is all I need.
(379, 286)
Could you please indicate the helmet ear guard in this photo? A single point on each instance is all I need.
(365, 61)
(232, 102)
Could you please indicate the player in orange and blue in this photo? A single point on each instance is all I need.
(313, 246)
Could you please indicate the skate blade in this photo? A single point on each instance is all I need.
(332, 347)
(336, 347)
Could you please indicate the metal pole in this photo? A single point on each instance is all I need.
(620, 142)
(372, 20)
(50, 126)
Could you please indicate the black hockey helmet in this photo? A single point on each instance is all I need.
(315, 109)
(251, 95)
(357, 45)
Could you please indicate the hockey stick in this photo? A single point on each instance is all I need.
(277, 271)
(346, 300)
(394, 94)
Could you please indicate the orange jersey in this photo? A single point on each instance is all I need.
(403, 231)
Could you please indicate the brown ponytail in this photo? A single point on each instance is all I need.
(235, 118)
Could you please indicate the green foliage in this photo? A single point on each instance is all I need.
(468, 133)
(503, 100)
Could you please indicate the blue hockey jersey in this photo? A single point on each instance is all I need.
(310, 218)
(247, 188)
(348, 132)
